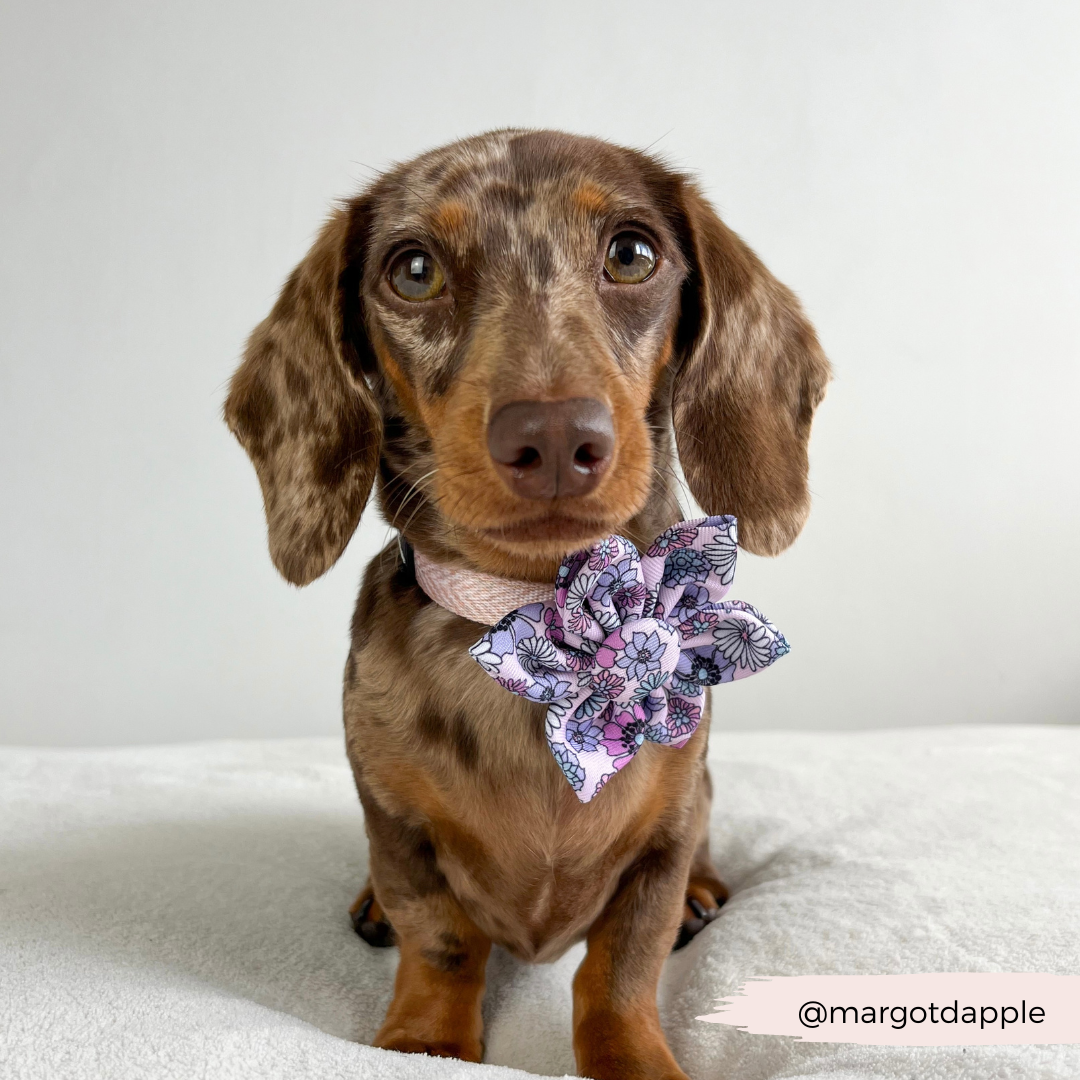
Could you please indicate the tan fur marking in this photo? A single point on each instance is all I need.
(590, 198)
(396, 376)
(451, 219)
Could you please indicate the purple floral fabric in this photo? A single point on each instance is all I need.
(625, 652)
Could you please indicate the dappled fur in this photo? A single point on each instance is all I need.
(475, 835)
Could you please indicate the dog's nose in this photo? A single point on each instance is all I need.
(546, 448)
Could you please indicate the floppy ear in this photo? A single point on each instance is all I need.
(752, 374)
(301, 409)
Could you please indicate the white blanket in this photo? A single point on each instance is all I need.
(181, 911)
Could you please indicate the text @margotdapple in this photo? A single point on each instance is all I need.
(814, 1014)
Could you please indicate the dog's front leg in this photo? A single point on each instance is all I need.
(439, 988)
(617, 1034)
(440, 983)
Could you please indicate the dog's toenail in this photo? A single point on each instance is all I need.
(360, 915)
(379, 935)
(682, 939)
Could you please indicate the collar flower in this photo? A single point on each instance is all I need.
(625, 652)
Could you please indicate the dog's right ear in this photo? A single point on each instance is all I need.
(301, 408)
(752, 375)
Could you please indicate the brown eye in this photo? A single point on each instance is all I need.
(630, 259)
(415, 275)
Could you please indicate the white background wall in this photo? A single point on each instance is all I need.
(912, 170)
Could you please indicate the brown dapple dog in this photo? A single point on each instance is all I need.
(506, 332)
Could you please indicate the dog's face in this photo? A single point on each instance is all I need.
(521, 295)
(505, 328)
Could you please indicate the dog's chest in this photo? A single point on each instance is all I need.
(533, 866)
(443, 747)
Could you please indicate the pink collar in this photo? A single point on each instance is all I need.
(472, 594)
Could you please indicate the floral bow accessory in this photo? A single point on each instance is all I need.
(625, 653)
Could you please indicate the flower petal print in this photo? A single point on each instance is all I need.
(547, 687)
(685, 564)
(502, 638)
(682, 717)
(577, 602)
(702, 667)
(578, 659)
(621, 586)
(678, 536)
(701, 623)
(569, 567)
(722, 551)
(626, 733)
(583, 735)
(743, 643)
(554, 719)
(487, 658)
(649, 685)
(642, 655)
(515, 686)
(607, 683)
(515, 627)
(601, 555)
(693, 599)
(624, 652)
(593, 704)
(537, 654)
(569, 764)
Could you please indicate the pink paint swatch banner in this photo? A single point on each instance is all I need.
(908, 1010)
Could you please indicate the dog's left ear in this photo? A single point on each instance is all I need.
(752, 373)
(301, 408)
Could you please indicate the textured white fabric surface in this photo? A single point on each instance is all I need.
(181, 911)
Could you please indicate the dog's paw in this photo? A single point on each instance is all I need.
(406, 1043)
(370, 922)
(705, 896)
(612, 1046)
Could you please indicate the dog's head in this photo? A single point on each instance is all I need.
(505, 330)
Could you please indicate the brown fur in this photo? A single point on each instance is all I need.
(475, 835)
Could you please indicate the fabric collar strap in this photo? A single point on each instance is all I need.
(472, 594)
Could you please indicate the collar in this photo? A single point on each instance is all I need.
(472, 594)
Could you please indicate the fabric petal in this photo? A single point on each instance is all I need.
(745, 638)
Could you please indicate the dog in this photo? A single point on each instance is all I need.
(513, 335)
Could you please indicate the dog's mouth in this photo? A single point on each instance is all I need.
(575, 531)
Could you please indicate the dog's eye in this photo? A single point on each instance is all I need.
(415, 275)
(630, 259)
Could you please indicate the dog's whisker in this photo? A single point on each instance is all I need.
(416, 488)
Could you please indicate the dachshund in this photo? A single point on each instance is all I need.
(514, 334)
